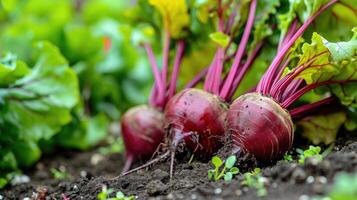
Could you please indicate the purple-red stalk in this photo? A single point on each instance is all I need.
(165, 59)
(176, 67)
(156, 72)
(265, 85)
(242, 45)
(244, 70)
(289, 34)
(305, 110)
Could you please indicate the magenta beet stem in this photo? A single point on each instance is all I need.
(176, 67)
(165, 59)
(242, 45)
(306, 110)
(308, 88)
(266, 83)
(156, 72)
(244, 70)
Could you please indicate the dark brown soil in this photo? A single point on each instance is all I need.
(284, 180)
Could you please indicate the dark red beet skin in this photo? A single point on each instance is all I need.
(260, 126)
(197, 117)
(142, 131)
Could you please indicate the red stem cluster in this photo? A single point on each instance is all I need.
(289, 89)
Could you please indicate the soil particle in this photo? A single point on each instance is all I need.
(156, 187)
(299, 175)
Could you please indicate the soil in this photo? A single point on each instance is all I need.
(90, 171)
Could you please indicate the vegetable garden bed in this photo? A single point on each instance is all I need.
(282, 180)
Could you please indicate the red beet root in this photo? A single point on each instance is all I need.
(260, 126)
(142, 130)
(197, 117)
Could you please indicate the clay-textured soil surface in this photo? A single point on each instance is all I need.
(90, 171)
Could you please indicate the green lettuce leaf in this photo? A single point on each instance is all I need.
(39, 104)
(36, 102)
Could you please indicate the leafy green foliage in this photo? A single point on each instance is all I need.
(299, 9)
(83, 132)
(105, 193)
(262, 29)
(36, 104)
(322, 128)
(227, 172)
(327, 61)
(341, 16)
(255, 180)
(313, 151)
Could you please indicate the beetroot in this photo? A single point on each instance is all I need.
(260, 122)
(197, 117)
(142, 130)
(260, 126)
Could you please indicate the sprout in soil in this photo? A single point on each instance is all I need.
(227, 172)
(288, 157)
(255, 180)
(106, 193)
(311, 152)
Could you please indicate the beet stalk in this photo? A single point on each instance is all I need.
(142, 126)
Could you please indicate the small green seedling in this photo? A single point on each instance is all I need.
(255, 180)
(104, 195)
(311, 152)
(60, 174)
(345, 187)
(227, 172)
(288, 157)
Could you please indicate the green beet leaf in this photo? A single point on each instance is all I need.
(322, 128)
(322, 61)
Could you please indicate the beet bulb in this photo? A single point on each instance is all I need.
(196, 117)
(260, 126)
(142, 131)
